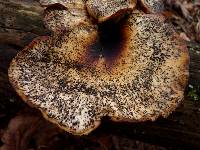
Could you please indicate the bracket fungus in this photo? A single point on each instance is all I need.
(152, 6)
(133, 70)
(103, 10)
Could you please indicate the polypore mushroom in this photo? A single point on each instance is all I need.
(103, 10)
(152, 6)
(69, 3)
(65, 15)
(133, 70)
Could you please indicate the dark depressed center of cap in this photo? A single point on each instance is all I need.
(110, 43)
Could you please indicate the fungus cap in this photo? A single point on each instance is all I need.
(103, 10)
(64, 15)
(152, 6)
(68, 3)
(60, 17)
(135, 70)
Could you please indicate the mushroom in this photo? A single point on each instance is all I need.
(69, 3)
(133, 70)
(103, 10)
(65, 15)
(152, 6)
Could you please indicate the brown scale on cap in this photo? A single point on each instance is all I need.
(135, 70)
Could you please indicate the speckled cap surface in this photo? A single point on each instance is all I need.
(103, 10)
(152, 6)
(64, 15)
(68, 3)
(135, 70)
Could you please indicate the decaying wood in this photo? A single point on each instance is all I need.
(21, 21)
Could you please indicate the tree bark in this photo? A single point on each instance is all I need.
(21, 22)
